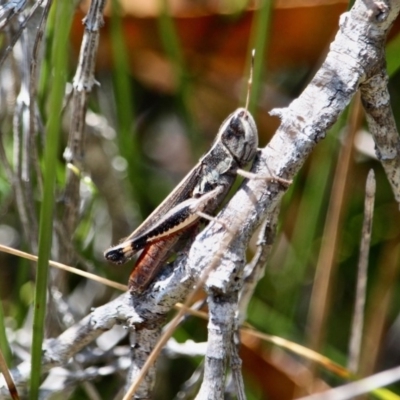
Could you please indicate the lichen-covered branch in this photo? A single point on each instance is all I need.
(255, 269)
(10, 10)
(355, 61)
(219, 346)
(58, 351)
(82, 86)
(376, 101)
(304, 123)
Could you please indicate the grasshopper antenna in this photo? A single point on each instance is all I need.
(250, 81)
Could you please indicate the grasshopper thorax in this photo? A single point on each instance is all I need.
(239, 136)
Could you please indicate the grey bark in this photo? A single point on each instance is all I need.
(355, 61)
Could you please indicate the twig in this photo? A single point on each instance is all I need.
(64, 267)
(10, 10)
(326, 264)
(23, 150)
(17, 189)
(8, 378)
(361, 291)
(381, 298)
(376, 101)
(33, 114)
(82, 85)
(143, 370)
(189, 388)
(362, 386)
(255, 270)
(221, 325)
(236, 366)
(59, 351)
(20, 30)
(64, 381)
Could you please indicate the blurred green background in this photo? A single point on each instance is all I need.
(168, 74)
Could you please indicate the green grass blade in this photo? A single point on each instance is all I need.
(385, 394)
(259, 41)
(45, 67)
(4, 346)
(392, 56)
(305, 232)
(60, 45)
(127, 139)
(172, 48)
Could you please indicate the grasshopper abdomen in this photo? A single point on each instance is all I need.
(177, 219)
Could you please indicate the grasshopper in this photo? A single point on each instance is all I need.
(201, 191)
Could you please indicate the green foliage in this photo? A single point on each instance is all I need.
(128, 174)
(63, 18)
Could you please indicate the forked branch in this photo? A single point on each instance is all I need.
(355, 61)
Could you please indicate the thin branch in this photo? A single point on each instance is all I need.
(255, 270)
(326, 265)
(221, 326)
(20, 30)
(82, 86)
(144, 344)
(23, 151)
(64, 381)
(9, 10)
(8, 378)
(189, 348)
(379, 306)
(64, 267)
(59, 351)
(376, 101)
(362, 386)
(19, 192)
(189, 388)
(361, 291)
(236, 366)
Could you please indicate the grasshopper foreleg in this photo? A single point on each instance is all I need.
(267, 178)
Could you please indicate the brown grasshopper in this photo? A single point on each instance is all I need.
(201, 191)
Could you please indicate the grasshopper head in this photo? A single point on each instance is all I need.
(239, 136)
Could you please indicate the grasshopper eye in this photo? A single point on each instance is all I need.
(234, 128)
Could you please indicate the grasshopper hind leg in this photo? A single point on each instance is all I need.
(116, 255)
(124, 251)
(120, 254)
